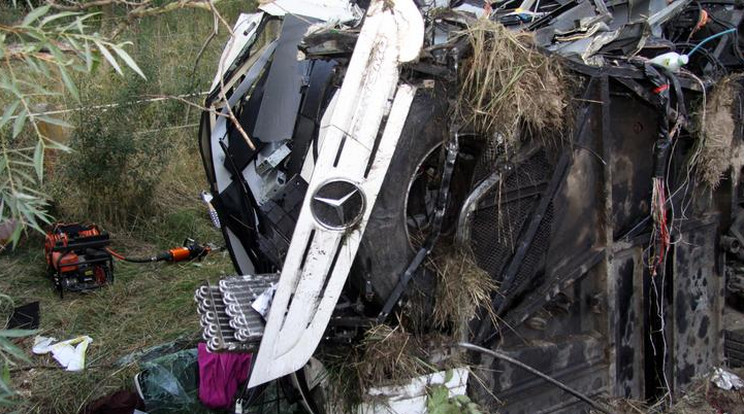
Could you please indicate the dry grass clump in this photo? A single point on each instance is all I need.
(462, 288)
(699, 397)
(507, 83)
(717, 149)
(386, 356)
(625, 406)
(390, 355)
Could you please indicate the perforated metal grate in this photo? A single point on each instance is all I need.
(503, 214)
(494, 235)
(534, 257)
(487, 161)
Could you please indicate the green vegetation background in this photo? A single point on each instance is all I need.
(135, 170)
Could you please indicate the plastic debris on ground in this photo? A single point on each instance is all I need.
(70, 353)
(156, 351)
(179, 383)
(170, 384)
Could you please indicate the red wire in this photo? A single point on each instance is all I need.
(664, 237)
(116, 255)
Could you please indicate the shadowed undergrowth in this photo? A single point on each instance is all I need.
(134, 169)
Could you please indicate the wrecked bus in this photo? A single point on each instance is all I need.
(556, 181)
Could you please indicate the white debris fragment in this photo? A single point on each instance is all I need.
(411, 398)
(726, 380)
(262, 303)
(244, 30)
(41, 344)
(70, 353)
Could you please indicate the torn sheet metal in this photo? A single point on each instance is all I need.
(278, 112)
(339, 11)
(244, 32)
(656, 20)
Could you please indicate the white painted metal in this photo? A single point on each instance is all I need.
(340, 11)
(219, 131)
(244, 31)
(310, 285)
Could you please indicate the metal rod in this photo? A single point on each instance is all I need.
(564, 387)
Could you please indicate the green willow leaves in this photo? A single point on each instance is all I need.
(43, 50)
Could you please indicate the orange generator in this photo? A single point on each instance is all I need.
(77, 257)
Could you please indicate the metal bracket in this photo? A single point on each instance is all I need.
(453, 148)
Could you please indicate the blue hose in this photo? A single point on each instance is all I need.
(711, 37)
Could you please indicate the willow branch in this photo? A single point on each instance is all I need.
(78, 6)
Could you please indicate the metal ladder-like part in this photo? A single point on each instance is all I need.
(238, 294)
(228, 321)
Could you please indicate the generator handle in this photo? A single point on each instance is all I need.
(59, 264)
(81, 245)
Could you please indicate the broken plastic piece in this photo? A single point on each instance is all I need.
(726, 380)
(42, 344)
(70, 353)
(411, 397)
(170, 384)
(262, 303)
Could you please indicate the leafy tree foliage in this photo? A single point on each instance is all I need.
(50, 45)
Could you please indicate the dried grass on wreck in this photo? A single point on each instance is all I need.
(386, 355)
(700, 397)
(507, 83)
(717, 149)
(462, 288)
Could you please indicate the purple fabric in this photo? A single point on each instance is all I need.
(219, 376)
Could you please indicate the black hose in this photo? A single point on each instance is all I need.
(137, 259)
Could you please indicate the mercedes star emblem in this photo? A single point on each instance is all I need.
(337, 204)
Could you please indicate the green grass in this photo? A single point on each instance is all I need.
(148, 304)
